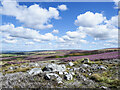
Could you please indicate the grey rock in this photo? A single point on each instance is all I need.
(23, 66)
(65, 73)
(51, 76)
(72, 73)
(54, 67)
(70, 64)
(35, 71)
(82, 70)
(71, 70)
(36, 64)
(75, 69)
(103, 87)
(86, 60)
(68, 77)
(85, 66)
(11, 68)
(81, 77)
(60, 73)
(33, 64)
(101, 67)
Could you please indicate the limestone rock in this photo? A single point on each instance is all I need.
(53, 76)
(68, 77)
(85, 66)
(35, 71)
(70, 64)
(86, 60)
(54, 67)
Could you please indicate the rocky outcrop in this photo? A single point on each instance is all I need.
(86, 60)
(35, 71)
(68, 77)
(53, 76)
(70, 64)
(54, 67)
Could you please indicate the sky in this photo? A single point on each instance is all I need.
(28, 26)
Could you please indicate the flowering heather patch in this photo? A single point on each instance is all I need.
(12, 58)
(103, 56)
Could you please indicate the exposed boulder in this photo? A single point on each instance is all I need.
(82, 70)
(53, 76)
(65, 73)
(75, 69)
(54, 67)
(86, 60)
(85, 66)
(103, 87)
(11, 68)
(81, 77)
(35, 71)
(70, 64)
(101, 67)
(94, 67)
(72, 73)
(33, 64)
(71, 70)
(68, 77)
(23, 66)
(60, 73)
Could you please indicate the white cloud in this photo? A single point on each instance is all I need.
(116, 3)
(55, 31)
(50, 43)
(113, 22)
(92, 25)
(9, 41)
(89, 19)
(33, 16)
(100, 32)
(62, 7)
(66, 37)
(61, 40)
(83, 41)
(20, 32)
(76, 34)
(48, 37)
(29, 43)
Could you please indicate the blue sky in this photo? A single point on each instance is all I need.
(58, 25)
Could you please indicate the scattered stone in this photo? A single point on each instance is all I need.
(68, 77)
(65, 73)
(11, 68)
(60, 73)
(35, 71)
(82, 70)
(68, 68)
(70, 64)
(90, 74)
(73, 73)
(33, 64)
(53, 76)
(85, 66)
(75, 69)
(23, 66)
(36, 64)
(86, 60)
(54, 67)
(103, 87)
(81, 77)
(71, 70)
(101, 67)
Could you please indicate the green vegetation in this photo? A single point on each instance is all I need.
(104, 79)
(8, 55)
